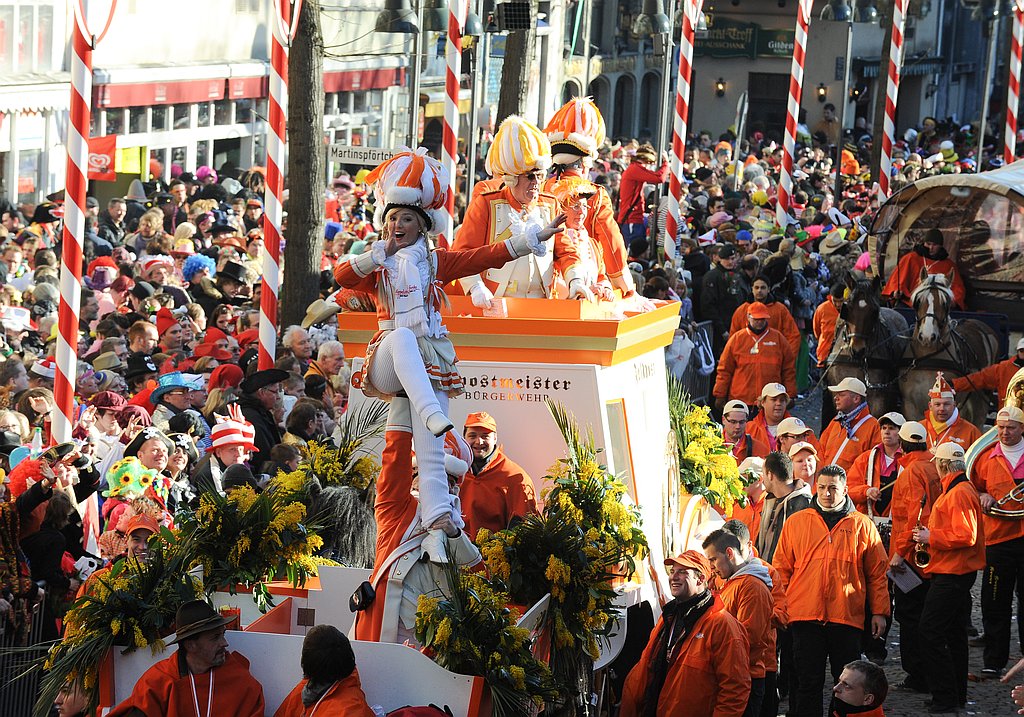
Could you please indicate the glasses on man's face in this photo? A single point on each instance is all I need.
(532, 177)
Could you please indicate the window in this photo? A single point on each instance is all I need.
(182, 116)
(259, 152)
(222, 112)
(330, 104)
(158, 119)
(44, 33)
(115, 121)
(204, 114)
(160, 156)
(6, 39)
(244, 112)
(28, 174)
(247, 6)
(359, 101)
(137, 120)
(179, 157)
(202, 153)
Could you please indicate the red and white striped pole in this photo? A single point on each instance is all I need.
(283, 24)
(892, 91)
(77, 183)
(1013, 86)
(457, 11)
(796, 84)
(691, 12)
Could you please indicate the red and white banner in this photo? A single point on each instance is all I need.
(101, 158)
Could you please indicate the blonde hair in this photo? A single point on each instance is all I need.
(154, 219)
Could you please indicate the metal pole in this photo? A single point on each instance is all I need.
(474, 118)
(588, 9)
(414, 81)
(990, 69)
(741, 130)
(666, 88)
(838, 190)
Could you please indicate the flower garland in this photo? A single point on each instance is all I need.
(706, 465)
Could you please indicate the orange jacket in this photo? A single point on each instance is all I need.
(917, 480)
(835, 448)
(962, 432)
(747, 447)
(857, 477)
(828, 574)
(757, 428)
(500, 492)
(993, 475)
(956, 533)
(780, 320)
(484, 186)
(907, 276)
(991, 378)
(601, 225)
(709, 675)
(742, 374)
(750, 515)
(780, 607)
(344, 699)
(749, 600)
(876, 712)
(826, 317)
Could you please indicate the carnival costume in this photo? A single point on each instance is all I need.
(411, 353)
(573, 194)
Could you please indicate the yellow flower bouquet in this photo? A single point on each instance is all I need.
(706, 465)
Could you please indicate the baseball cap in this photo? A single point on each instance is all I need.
(948, 451)
(894, 417)
(1020, 344)
(850, 384)
(757, 310)
(771, 390)
(1010, 413)
(801, 446)
(735, 405)
(913, 432)
(142, 521)
(481, 419)
(693, 560)
(791, 426)
(753, 464)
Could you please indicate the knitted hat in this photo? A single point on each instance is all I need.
(412, 180)
(941, 388)
(233, 430)
(576, 130)
(165, 320)
(518, 147)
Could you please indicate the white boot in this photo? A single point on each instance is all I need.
(438, 423)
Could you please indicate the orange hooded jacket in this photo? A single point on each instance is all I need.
(857, 478)
(962, 432)
(743, 371)
(956, 533)
(780, 320)
(749, 600)
(500, 492)
(828, 574)
(836, 448)
(993, 475)
(826, 317)
(709, 675)
(918, 479)
(344, 699)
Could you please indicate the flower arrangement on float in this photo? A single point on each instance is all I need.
(586, 539)
(706, 465)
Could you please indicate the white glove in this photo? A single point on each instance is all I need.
(481, 296)
(578, 290)
(524, 239)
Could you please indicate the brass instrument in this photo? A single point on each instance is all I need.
(1014, 397)
(1015, 495)
(921, 555)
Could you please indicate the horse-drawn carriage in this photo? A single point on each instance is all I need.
(897, 351)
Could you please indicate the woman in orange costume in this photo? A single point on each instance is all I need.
(411, 352)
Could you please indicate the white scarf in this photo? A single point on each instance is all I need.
(409, 274)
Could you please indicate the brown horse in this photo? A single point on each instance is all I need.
(870, 340)
(940, 343)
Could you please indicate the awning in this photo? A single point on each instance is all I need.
(868, 67)
(35, 93)
(366, 74)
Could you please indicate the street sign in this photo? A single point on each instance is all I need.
(347, 154)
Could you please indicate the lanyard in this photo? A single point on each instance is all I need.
(757, 340)
(853, 431)
(321, 699)
(195, 698)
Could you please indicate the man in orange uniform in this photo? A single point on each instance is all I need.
(993, 378)
(696, 663)
(330, 685)
(791, 430)
(520, 154)
(830, 559)
(773, 401)
(928, 257)
(943, 420)
(200, 672)
(955, 536)
(753, 357)
(746, 594)
(826, 318)
(576, 131)
(734, 432)
(861, 690)
(873, 474)
(779, 317)
(913, 496)
(497, 489)
(854, 430)
(998, 470)
(751, 470)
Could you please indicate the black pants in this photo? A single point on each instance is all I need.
(813, 643)
(907, 612)
(770, 701)
(944, 637)
(756, 697)
(1004, 568)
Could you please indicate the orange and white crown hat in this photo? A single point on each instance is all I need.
(411, 180)
(519, 147)
(568, 189)
(941, 388)
(576, 130)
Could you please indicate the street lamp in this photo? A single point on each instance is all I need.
(838, 10)
(987, 11)
(398, 17)
(652, 20)
(435, 15)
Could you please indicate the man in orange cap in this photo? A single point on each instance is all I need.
(141, 527)
(697, 660)
(497, 489)
(854, 430)
(753, 357)
(779, 316)
(773, 402)
(943, 419)
(734, 431)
